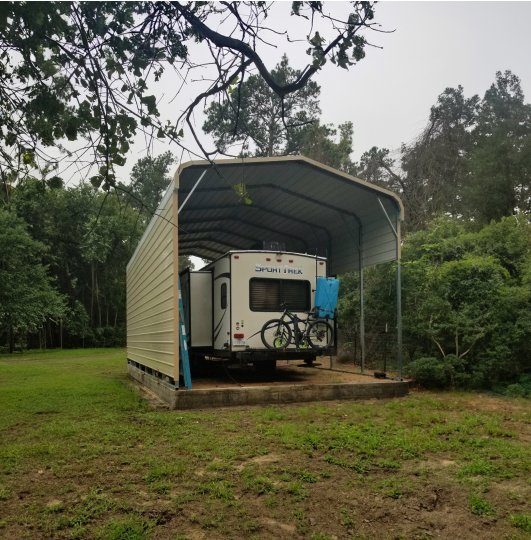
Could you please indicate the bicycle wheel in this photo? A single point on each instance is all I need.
(320, 334)
(276, 334)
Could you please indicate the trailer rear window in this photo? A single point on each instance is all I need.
(268, 294)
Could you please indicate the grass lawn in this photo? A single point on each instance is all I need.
(82, 456)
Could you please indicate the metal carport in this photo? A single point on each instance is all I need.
(309, 207)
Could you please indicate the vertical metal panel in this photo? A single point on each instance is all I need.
(175, 236)
(150, 313)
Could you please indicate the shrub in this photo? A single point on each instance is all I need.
(430, 372)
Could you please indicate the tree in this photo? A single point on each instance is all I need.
(254, 113)
(28, 298)
(499, 166)
(266, 125)
(150, 178)
(317, 142)
(472, 159)
(79, 71)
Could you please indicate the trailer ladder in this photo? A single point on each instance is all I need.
(184, 362)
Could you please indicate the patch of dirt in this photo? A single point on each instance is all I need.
(267, 458)
(153, 401)
(296, 372)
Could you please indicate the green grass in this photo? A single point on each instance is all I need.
(481, 507)
(522, 521)
(83, 456)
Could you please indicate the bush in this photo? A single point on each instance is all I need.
(520, 387)
(430, 372)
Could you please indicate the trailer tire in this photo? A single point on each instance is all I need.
(276, 334)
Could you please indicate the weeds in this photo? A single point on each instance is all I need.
(481, 507)
(217, 489)
(132, 529)
(522, 521)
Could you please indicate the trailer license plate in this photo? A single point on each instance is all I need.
(238, 341)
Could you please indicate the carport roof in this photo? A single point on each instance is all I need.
(309, 207)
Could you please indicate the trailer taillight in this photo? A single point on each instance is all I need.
(238, 336)
(291, 260)
(279, 260)
(236, 256)
(321, 263)
(268, 258)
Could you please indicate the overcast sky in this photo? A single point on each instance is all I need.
(389, 93)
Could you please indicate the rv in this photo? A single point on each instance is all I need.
(227, 302)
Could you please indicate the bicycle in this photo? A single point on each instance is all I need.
(277, 334)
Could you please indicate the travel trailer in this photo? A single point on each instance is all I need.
(227, 302)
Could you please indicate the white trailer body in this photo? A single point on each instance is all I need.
(232, 297)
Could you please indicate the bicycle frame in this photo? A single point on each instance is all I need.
(298, 335)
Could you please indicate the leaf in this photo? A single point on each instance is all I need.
(151, 103)
(96, 181)
(29, 159)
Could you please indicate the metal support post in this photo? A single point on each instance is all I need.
(362, 314)
(398, 285)
(399, 315)
(362, 324)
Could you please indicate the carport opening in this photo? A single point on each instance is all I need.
(302, 207)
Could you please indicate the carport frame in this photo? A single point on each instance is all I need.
(295, 200)
(342, 212)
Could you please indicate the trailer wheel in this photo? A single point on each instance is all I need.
(265, 366)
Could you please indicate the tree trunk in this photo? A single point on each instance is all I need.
(98, 299)
(11, 339)
(92, 296)
(51, 335)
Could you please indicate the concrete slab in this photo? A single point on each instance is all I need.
(183, 399)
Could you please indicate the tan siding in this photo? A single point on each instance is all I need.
(150, 287)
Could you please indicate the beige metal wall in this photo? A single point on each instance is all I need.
(150, 293)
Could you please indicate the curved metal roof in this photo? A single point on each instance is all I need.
(309, 207)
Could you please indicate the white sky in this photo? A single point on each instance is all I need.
(389, 93)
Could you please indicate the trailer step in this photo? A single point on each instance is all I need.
(184, 361)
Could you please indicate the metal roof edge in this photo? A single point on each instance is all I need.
(304, 159)
(151, 224)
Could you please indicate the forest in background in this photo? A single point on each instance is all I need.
(466, 255)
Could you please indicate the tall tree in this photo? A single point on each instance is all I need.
(28, 298)
(473, 158)
(256, 116)
(499, 166)
(263, 124)
(150, 178)
(318, 142)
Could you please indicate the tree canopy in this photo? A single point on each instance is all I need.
(473, 159)
(264, 124)
(80, 72)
